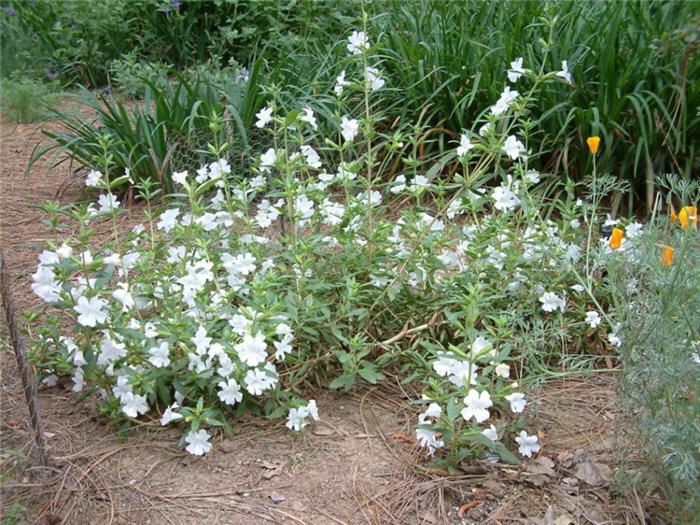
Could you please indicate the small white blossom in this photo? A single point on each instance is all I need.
(264, 116)
(513, 147)
(107, 202)
(170, 415)
(159, 356)
(349, 128)
(593, 319)
(464, 145)
(134, 405)
(309, 117)
(340, 83)
(517, 402)
(551, 301)
(528, 444)
(94, 179)
(477, 405)
(198, 442)
(564, 73)
(230, 392)
(357, 43)
(491, 433)
(90, 311)
(502, 370)
(516, 69)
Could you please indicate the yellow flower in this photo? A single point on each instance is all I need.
(616, 238)
(667, 259)
(593, 143)
(687, 215)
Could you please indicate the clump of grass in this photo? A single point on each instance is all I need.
(25, 101)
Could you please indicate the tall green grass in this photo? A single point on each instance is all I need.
(632, 63)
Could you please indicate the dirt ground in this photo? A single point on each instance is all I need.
(359, 464)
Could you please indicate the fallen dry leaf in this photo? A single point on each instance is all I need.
(464, 508)
(437, 472)
(594, 474)
(402, 437)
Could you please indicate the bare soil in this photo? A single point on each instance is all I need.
(360, 464)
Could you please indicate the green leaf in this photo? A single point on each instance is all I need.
(346, 381)
(370, 374)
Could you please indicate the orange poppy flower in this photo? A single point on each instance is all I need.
(672, 215)
(688, 215)
(667, 258)
(593, 143)
(616, 238)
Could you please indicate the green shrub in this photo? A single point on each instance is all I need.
(659, 311)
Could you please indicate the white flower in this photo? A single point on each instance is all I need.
(614, 339)
(170, 415)
(551, 301)
(577, 288)
(264, 116)
(282, 348)
(94, 179)
(464, 145)
(528, 444)
(593, 319)
(479, 346)
(349, 128)
(201, 341)
(122, 294)
(123, 387)
(503, 103)
(45, 285)
(477, 406)
(340, 82)
(134, 405)
(252, 349)
(110, 351)
(296, 419)
(107, 202)
(90, 311)
(483, 130)
(357, 42)
(308, 116)
(297, 416)
(504, 199)
(531, 177)
(230, 392)
(374, 78)
(312, 158)
(180, 177)
(634, 229)
(160, 355)
(64, 251)
(491, 433)
(78, 382)
(257, 380)
(168, 219)
(517, 402)
(516, 69)
(198, 442)
(502, 370)
(267, 160)
(564, 73)
(513, 147)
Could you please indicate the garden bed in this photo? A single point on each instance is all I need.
(359, 464)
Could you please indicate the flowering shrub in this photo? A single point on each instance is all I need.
(318, 268)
